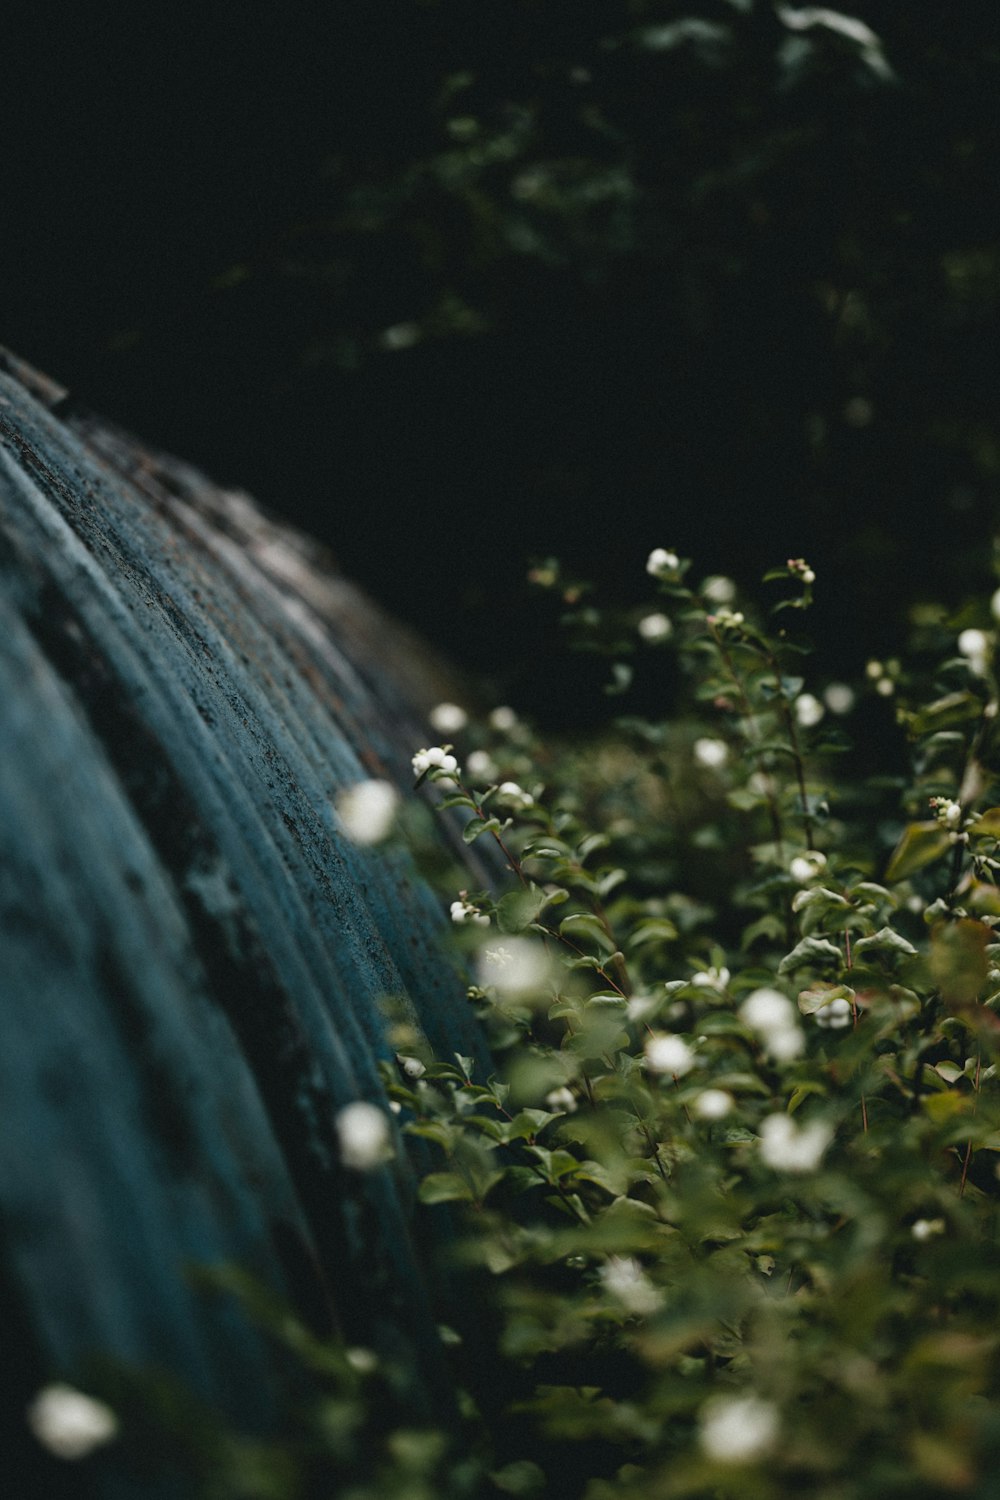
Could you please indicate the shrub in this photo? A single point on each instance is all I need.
(725, 1208)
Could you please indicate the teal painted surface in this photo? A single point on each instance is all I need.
(192, 955)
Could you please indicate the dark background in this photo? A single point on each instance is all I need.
(454, 284)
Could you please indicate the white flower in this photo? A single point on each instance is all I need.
(737, 1429)
(561, 1101)
(411, 1066)
(362, 1360)
(926, 1229)
(712, 1104)
(516, 968)
(503, 719)
(364, 1136)
(655, 627)
(975, 647)
(640, 1006)
(766, 1011)
(669, 1054)
(835, 1015)
(661, 563)
(448, 718)
(516, 796)
(946, 811)
(710, 753)
(367, 811)
(774, 1019)
(788, 1147)
(804, 867)
(400, 336)
(70, 1424)
(874, 670)
(434, 759)
(463, 911)
(808, 710)
(885, 687)
(727, 619)
(838, 697)
(995, 605)
(625, 1279)
(719, 590)
(480, 765)
(785, 1046)
(715, 979)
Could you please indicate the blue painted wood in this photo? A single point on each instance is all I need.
(193, 957)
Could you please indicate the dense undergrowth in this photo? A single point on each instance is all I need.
(726, 1208)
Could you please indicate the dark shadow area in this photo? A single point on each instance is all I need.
(452, 287)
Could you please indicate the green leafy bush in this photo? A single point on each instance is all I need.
(726, 1208)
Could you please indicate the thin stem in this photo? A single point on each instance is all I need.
(748, 714)
(793, 739)
(856, 1017)
(968, 1145)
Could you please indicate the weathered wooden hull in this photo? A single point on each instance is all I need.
(192, 958)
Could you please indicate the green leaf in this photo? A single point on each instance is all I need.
(920, 845)
(547, 848)
(953, 708)
(811, 950)
(621, 674)
(814, 999)
(987, 825)
(653, 930)
(884, 938)
(518, 909)
(555, 1164)
(444, 1187)
(585, 925)
(869, 891)
(587, 845)
(820, 897)
(473, 829)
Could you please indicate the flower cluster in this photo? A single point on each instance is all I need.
(773, 1018)
(787, 1147)
(438, 758)
(367, 811)
(448, 718)
(70, 1424)
(975, 646)
(882, 676)
(364, 1136)
(514, 796)
(801, 569)
(727, 620)
(835, 1015)
(738, 1429)
(669, 1054)
(947, 812)
(808, 710)
(655, 627)
(713, 978)
(805, 867)
(462, 911)
(662, 563)
(710, 753)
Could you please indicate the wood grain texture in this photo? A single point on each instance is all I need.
(193, 957)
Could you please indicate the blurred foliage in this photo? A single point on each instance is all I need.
(552, 276)
(725, 1210)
